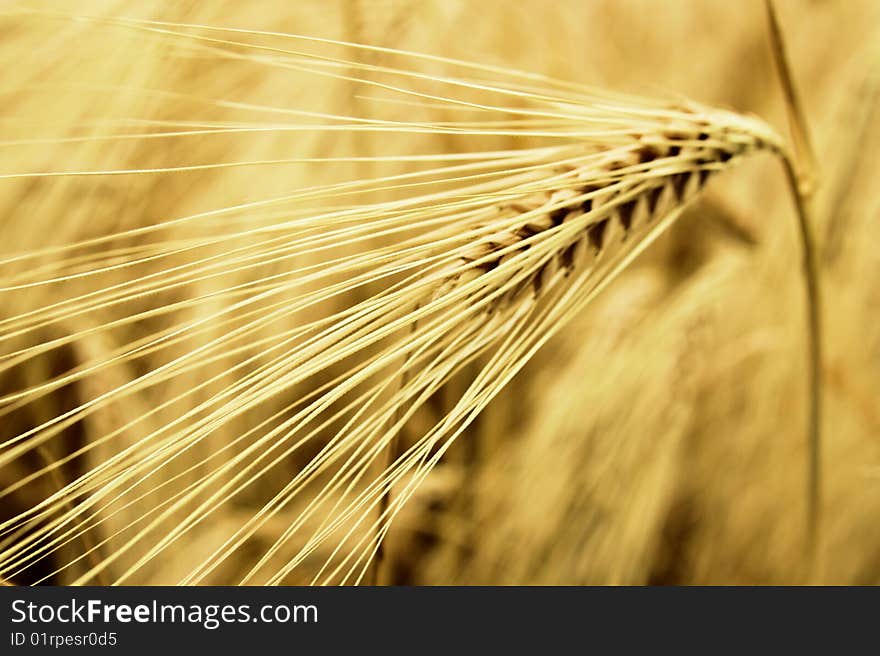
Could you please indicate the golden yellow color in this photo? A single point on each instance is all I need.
(433, 292)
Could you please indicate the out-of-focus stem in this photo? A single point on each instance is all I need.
(806, 159)
(814, 355)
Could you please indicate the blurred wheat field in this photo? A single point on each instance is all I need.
(658, 438)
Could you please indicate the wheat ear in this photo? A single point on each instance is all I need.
(484, 259)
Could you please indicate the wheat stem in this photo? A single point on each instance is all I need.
(806, 158)
(801, 178)
(812, 288)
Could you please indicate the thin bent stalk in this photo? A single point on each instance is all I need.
(801, 178)
(806, 158)
(814, 356)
